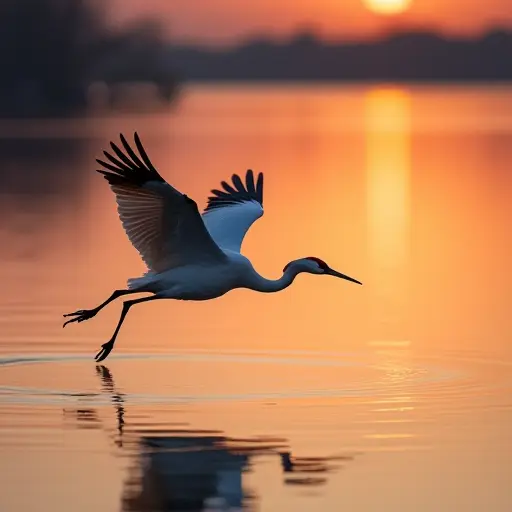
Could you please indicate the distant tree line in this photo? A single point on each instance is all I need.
(52, 50)
(409, 56)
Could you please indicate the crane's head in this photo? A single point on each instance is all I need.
(314, 265)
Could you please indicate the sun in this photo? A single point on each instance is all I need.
(387, 6)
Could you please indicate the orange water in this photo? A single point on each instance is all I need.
(407, 378)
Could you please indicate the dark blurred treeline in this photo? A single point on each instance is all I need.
(410, 56)
(53, 50)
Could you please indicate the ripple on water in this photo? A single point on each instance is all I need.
(200, 376)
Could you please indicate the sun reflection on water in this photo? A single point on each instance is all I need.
(387, 115)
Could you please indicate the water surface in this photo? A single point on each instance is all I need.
(394, 395)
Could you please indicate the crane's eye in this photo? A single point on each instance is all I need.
(319, 262)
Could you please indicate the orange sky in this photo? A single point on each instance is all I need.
(226, 21)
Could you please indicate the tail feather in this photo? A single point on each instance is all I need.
(140, 282)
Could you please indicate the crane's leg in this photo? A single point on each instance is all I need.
(85, 314)
(106, 348)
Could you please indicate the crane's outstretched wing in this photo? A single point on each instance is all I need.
(232, 211)
(163, 224)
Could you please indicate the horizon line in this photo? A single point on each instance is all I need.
(303, 32)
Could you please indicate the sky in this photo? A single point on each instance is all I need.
(221, 22)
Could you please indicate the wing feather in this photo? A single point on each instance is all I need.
(141, 214)
(249, 181)
(163, 224)
(227, 187)
(127, 163)
(238, 183)
(231, 212)
(116, 163)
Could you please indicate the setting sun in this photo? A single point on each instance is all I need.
(388, 6)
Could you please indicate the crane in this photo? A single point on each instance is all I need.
(189, 255)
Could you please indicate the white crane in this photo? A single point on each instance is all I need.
(189, 256)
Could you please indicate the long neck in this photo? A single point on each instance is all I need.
(260, 284)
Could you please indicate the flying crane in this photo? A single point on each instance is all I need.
(189, 255)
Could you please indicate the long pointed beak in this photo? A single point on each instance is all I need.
(332, 272)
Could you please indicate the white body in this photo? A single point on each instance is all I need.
(199, 282)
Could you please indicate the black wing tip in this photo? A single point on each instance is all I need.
(237, 192)
(129, 167)
(112, 178)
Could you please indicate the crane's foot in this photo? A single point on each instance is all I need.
(80, 315)
(106, 348)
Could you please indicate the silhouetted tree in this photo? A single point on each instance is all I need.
(52, 49)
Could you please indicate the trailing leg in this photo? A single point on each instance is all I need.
(85, 314)
(106, 348)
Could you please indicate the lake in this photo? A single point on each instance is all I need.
(326, 396)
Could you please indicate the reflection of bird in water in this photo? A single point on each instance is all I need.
(189, 256)
(305, 465)
(117, 399)
(88, 418)
(196, 470)
(182, 469)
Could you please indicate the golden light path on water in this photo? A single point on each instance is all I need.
(388, 168)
